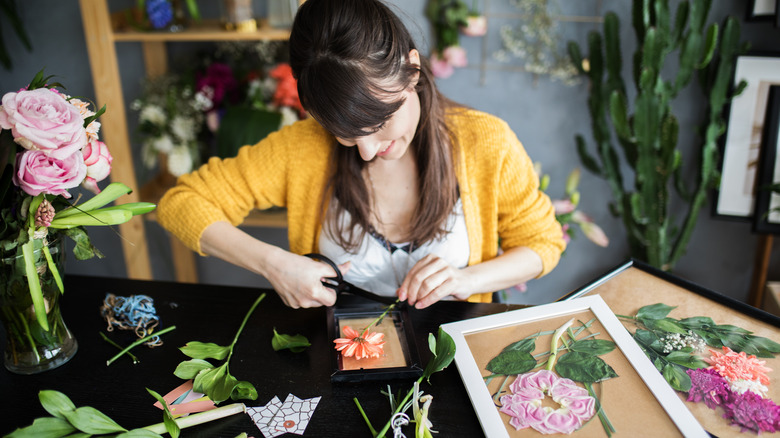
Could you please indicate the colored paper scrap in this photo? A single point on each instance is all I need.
(276, 418)
(183, 401)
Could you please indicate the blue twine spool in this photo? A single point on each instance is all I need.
(135, 312)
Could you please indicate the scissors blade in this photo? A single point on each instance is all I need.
(354, 290)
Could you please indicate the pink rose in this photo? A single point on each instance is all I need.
(43, 120)
(440, 67)
(455, 56)
(98, 160)
(38, 173)
(476, 26)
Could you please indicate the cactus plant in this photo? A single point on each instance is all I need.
(647, 137)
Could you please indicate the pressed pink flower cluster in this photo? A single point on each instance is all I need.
(525, 407)
(736, 382)
(60, 153)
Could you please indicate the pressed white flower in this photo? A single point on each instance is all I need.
(152, 114)
(163, 144)
(741, 386)
(180, 161)
(183, 128)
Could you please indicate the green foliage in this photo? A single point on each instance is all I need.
(443, 349)
(296, 343)
(511, 362)
(9, 11)
(216, 382)
(647, 134)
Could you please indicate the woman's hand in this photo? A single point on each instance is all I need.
(430, 280)
(298, 280)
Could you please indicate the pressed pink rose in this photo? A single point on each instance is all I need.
(440, 67)
(476, 26)
(38, 173)
(42, 119)
(455, 56)
(98, 160)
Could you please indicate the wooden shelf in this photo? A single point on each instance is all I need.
(205, 30)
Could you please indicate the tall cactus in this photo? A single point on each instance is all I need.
(647, 138)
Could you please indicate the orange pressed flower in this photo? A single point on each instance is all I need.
(735, 366)
(361, 346)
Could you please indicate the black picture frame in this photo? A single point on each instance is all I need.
(404, 331)
(740, 145)
(762, 10)
(766, 221)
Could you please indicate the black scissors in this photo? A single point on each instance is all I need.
(339, 285)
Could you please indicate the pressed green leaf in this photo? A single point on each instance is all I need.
(170, 424)
(595, 347)
(667, 325)
(55, 402)
(526, 345)
(443, 353)
(90, 420)
(190, 368)
(677, 378)
(45, 427)
(697, 322)
(654, 311)
(244, 390)
(584, 368)
(732, 329)
(710, 338)
(511, 362)
(296, 343)
(764, 344)
(205, 350)
(686, 359)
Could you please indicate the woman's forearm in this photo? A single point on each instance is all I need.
(231, 244)
(515, 266)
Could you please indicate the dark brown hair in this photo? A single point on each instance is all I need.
(340, 53)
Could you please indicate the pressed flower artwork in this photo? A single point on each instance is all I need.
(367, 346)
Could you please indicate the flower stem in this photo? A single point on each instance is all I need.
(365, 417)
(132, 356)
(200, 418)
(608, 428)
(29, 337)
(554, 343)
(398, 409)
(379, 318)
(139, 342)
(243, 323)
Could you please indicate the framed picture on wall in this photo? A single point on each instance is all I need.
(761, 10)
(742, 141)
(767, 217)
(508, 368)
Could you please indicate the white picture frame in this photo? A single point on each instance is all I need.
(486, 410)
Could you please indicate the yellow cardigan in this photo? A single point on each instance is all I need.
(290, 168)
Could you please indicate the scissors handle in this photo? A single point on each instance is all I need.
(321, 258)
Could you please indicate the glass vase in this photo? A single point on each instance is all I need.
(29, 348)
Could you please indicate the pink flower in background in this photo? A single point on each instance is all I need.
(592, 231)
(98, 160)
(43, 120)
(476, 26)
(563, 206)
(37, 173)
(217, 83)
(440, 67)
(524, 404)
(455, 56)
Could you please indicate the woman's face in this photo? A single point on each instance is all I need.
(391, 141)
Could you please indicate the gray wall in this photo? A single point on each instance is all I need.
(545, 115)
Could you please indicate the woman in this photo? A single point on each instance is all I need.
(407, 191)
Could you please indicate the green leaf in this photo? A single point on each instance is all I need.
(584, 368)
(668, 325)
(55, 402)
(244, 390)
(90, 420)
(732, 329)
(101, 217)
(216, 383)
(170, 424)
(697, 322)
(296, 343)
(677, 378)
(205, 350)
(83, 249)
(443, 349)
(526, 345)
(34, 283)
(45, 427)
(511, 362)
(654, 311)
(686, 359)
(595, 347)
(762, 343)
(108, 194)
(190, 368)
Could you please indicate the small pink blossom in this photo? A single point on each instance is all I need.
(563, 206)
(524, 404)
(476, 26)
(440, 67)
(37, 173)
(707, 386)
(45, 214)
(42, 120)
(455, 56)
(751, 412)
(98, 160)
(592, 231)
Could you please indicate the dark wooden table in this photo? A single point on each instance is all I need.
(211, 313)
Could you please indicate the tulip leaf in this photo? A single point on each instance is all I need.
(205, 350)
(34, 283)
(190, 368)
(55, 402)
(90, 420)
(107, 216)
(109, 194)
(296, 343)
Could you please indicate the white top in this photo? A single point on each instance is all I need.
(375, 268)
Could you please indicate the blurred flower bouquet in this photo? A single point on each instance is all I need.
(449, 19)
(49, 143)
